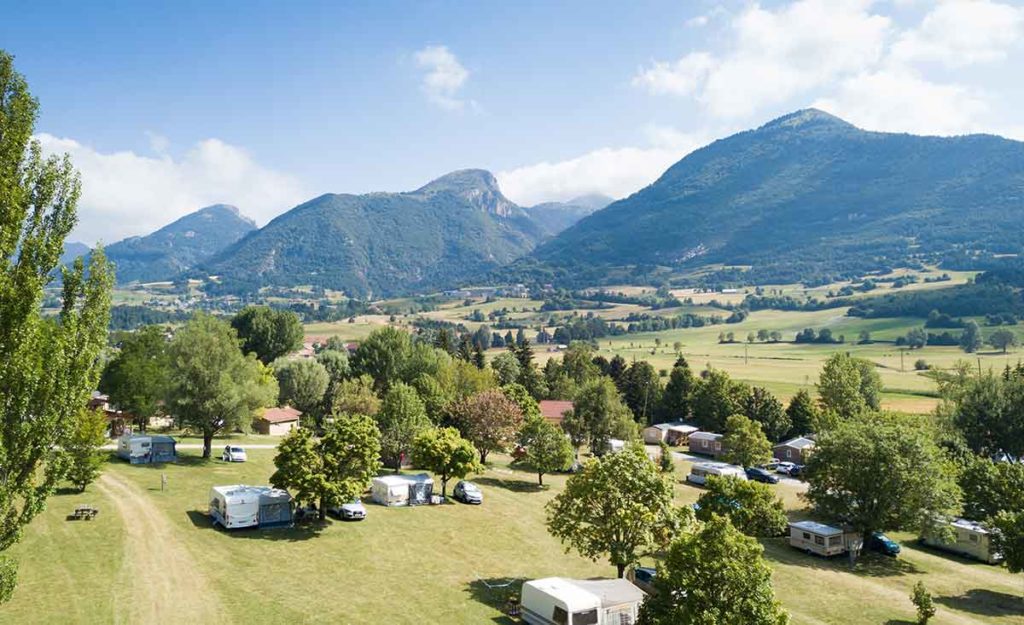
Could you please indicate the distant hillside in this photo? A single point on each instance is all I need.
(455, 228)
(178, 246)
(72, 250)
(554, 217)
(805, 197)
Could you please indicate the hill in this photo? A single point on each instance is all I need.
(807, 197)
(178, 246)
(554, 217)
(72, 250)
(453, 229)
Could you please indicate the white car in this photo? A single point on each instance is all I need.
(785, 467)
(351, 511)
(233, 453)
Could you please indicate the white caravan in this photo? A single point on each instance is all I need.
(561, 601)
(700, 471)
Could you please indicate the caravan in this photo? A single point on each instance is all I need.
(973, 540)
(402, 490)
(145, 449)
(561, 601)
(700, 471)
(240, 506)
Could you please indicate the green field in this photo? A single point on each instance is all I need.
(152, 556)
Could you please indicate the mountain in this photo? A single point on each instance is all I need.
(72, 250)
(805, 197)
(178, 246)
(453, 229)
(554, 217)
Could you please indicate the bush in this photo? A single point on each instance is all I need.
(665, 462)
(921, 365)
(922, 599)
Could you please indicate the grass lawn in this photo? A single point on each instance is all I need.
(421, 565)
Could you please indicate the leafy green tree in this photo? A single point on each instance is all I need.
(436, 398)
(849, 386)
(763, 407)
(881, 472)
(549, 450)
(136, 378)
(916, 338)
(619, 506)
(268, 333)
(401, 418)
(1009, 539)
(970, 338)
(518, 394)
(574, 425)
(302, 385)
(922, 600)
(489, 420)
(665, 462)
(599, 408)
(299, 466)
(716, 398)
(84, 447)
(714, 575)
(745, 443)
(506, 368)
(382, 356)
(48, 365)
(803, 414)
(677, 396)
(529, 376)
(336, 364)
(1002, 339)
(990, 488)
(752, 507)
(444, 453)
(213, 386)
(988, 410)
(354, 396)
(641, 390)
(578, 363)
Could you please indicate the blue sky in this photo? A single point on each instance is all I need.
(166, 107)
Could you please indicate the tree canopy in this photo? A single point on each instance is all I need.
(136, 378)
(752, 507)
(489, 420)
(267, 332)
(443, 452)
(744, 442)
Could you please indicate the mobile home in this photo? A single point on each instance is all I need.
(706, 443)
(146, 449)
(561, 601)
(402, 490)
(674, 433)
(973, 540)
(796, 450)
(821, 539)
(240, 506)
(700, 471)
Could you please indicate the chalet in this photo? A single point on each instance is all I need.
(277, 421)
(796, 450)
(706, 443)
(554, 410)
(674, 433)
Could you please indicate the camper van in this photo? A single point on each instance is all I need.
(145, 449)
(402, 490)
(239, 506)
(700, 471)
(973, 540)
(561, 601)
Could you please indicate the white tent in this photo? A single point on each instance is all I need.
(402, 490)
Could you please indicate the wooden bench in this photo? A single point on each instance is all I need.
(86, 512)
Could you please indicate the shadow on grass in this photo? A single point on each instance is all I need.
(899, 621)
(495, 592)
(295, 533)
(65, 491)
(868, 564)
(516, 486)
(985, 602)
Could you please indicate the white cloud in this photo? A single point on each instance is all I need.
(444, 78)
(957, 33)
(124, 193)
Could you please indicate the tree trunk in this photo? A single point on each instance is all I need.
(483, 457)
(207, 444)
(622, 569)
(444, 487)
(540, 479)
(321, 512)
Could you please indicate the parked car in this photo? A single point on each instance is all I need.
(771, 465)
(883, 544)
(351, 511)
(785, 467)
(643, 578)
(468, 492)
(234, 453)
(761, 475)
(796, 471)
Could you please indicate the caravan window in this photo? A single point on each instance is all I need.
(818, 540)
(835, 540)
(972, 537)
(718, 446)
(807, 536)
(585, 618)
(560, 616)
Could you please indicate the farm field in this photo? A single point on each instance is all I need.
(150, 551)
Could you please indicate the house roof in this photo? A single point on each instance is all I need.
(708, 436)
(281, 414)
(800, 442)
(817, 528)
(553, 409)
(575, 598)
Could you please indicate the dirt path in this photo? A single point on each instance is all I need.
(162, 578)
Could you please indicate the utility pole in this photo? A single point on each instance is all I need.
(901, 361)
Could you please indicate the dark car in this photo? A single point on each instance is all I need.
(796, 471)
(643, 578)
(761, 475)
(883, 544)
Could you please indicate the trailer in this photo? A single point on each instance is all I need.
(402, 490)
(700, 471)
(561, 601)
(239, 506)
(972, 539)
(821, 539)
(146, 449)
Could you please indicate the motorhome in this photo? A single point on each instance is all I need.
(700, 471)
(239, 506)
(402, 490)
(561, 601)
(146, 449)
(972, 539)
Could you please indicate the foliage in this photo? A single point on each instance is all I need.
(136, 378)
(401, 418)
(599, 415)
(988, 410)
(518, 394)
(1002, 339)
(444, 453)
(677, 396)
(750, 506)
(641, 390)
(354, 396)
(48, 366)
(745, 443)
(336, 364)
(803, 414)
(268, 333)
(213, 387)
(619, 506)
(922, 600)
(83, 447)
(1009, 539)
(665, 462)
(990, 488)
(849, 386)
(716, 398)
(713, 576)
(762, 407)
(506, 367)
(489, 420)
(302, 385)
(549, 450)
(970, 338)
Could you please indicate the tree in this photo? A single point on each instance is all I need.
(268, 333)
(848, 386)
(715, 398)
(970, 338)
(401, 418)
(752, 507)
(603, 416)
(745, 443)
(1009, 539)
(922, 600)
(336, 364)
(880, 472)
(506, 367)
(354, 396)
(444, 453)
(549, 450)
(916, 338)
(83, 447)
(665, 462)
(489, 420)
(136, 377)
(763, 407)
(803, 414)
(990, 488)
(213, 386)
(988, 410)
(578, 363)
(677, 396)
(48, 365)
(1002, 339)
(518, 394)
(641, 390)
(710, 576)
(619, 505)
(302, 385)
(382, 356)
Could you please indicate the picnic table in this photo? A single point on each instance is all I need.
(85, 511)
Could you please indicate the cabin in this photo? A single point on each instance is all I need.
(823, 540)
(562, 601)
(553, 410)
(796, 450)
(973, 540)
(700, 471)
(277, 421)
(239, 506)
(675, 433)
(706, 443)
(146, 449)
(402, 490)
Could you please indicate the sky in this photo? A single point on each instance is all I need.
(168, 107)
